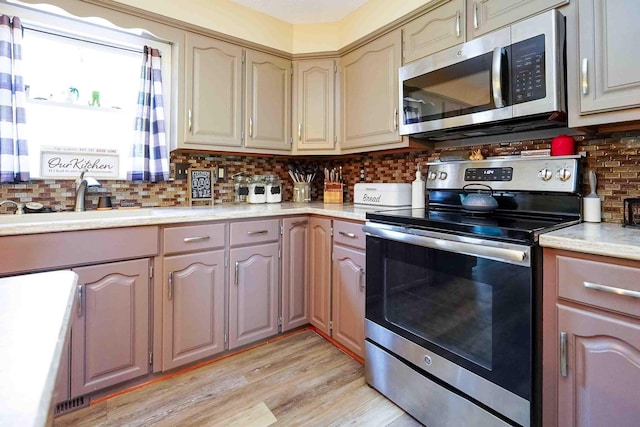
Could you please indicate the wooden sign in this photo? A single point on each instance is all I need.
(68, 162)
(200, 185)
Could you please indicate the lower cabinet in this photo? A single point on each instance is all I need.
(602, 373)
(253, 293)
(337, 281)
(320, 274)
(348, 298)
(110, 329)
(193, 312)
(591, 340)
(295, 272)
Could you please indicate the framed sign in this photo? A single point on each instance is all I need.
(200, 185)
(68, 162)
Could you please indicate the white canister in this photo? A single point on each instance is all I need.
(274, 189)
(257, 190)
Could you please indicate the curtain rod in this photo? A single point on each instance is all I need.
(128, 49)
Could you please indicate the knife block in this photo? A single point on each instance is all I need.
(333, 192)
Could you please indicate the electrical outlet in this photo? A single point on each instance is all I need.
(222, 173)
(182, 170)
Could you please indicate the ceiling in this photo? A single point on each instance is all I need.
(304, 11)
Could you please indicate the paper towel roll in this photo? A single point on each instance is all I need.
(591, 209)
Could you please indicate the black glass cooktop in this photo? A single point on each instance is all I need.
(508, 226)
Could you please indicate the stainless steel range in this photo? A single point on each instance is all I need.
(453, 291)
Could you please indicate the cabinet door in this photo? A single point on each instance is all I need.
(253, 294)
(193, 321)
(609, 71)
(370, 94)
(268, 102)
(314, 106)
(603, 370)
(436, 30)
(110, 330)
(213, 93)
(320, 274)
(487, 15)
(348, 298)
(295, 272)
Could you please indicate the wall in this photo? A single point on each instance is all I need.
(615, 158)
(239, 21)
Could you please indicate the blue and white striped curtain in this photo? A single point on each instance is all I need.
(14, 159)
(149, 158)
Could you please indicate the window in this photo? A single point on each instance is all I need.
(82, 94)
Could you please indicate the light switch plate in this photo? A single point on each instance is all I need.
(182, 170)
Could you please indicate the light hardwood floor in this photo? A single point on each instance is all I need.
(299, 380)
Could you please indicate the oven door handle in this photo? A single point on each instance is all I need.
(512, 256)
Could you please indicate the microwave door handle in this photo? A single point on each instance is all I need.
(496, 77)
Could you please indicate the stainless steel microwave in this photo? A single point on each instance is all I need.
(510, 80)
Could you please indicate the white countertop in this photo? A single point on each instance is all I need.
(69, 221)
(596, 238)
(35, 312)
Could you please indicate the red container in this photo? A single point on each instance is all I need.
(563, 145)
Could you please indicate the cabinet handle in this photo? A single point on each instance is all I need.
(171, 285)
(295, 224)
(475, 15)
(349, 235)
(299, 131)
(250, 127)
(585, 76)
(563, 354)
(253, 233)
(196, 239)
(235, 280)
(395, 118)
(611, 290)
(361, 278)
(190, 120)
(458, 24)
(80, 298)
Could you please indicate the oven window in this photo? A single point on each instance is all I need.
(473, 311)
(459, 89)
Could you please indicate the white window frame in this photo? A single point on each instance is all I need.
(55, 20)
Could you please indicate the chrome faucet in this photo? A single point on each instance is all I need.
(19, 206)
(81, 186)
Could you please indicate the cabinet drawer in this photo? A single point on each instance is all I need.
(349, 234)
(250, 232)
(599, 284)
(193, 237)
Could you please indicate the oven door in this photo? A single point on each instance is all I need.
(467, 300)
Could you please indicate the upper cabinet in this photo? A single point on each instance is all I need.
(434, 31)
(369, 77)
(268, 102)
(484, 16)
(604, 77)
(213, 93)
(222, 114)
(314, 109)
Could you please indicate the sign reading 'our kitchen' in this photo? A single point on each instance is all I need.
(66, 162)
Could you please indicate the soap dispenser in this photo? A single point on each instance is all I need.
(417, 190)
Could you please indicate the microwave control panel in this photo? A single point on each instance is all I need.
(527, 70)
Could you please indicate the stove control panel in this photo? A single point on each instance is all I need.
(555, 174)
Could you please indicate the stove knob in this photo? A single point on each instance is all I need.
(545, 174)
(563, 174)
(442, 175)
(432, 176)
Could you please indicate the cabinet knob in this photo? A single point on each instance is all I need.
(584, 71)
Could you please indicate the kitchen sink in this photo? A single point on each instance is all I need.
(74, 216)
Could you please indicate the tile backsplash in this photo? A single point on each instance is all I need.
(615, 159)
